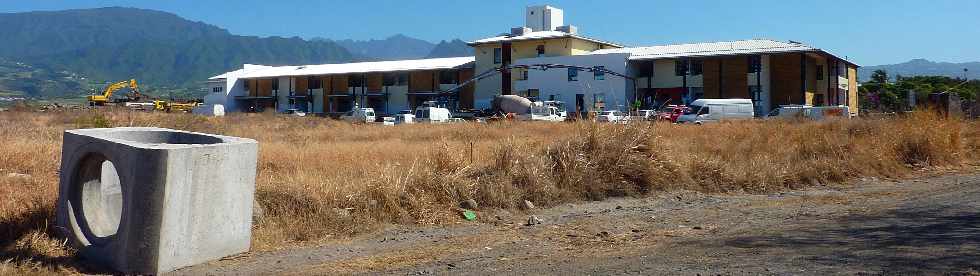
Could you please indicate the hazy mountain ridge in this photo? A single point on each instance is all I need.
(399, 47)
(111, 44)
(453, 48)
(923, 67)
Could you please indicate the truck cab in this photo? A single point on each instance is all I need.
(359, 115)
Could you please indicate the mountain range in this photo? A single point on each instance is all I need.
(50, 54)
(922, 67)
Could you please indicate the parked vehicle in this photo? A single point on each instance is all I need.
(714, 110)
(404, 117)
(388, 121)
(670, 113)
(809, 112)
(611, 116)
(359, 115)
(429, 114)
(542, 112)
(558, 105)
(646, 115)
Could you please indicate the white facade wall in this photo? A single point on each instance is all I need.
(617, 92)
(543, 18)
(664, 76)
(397, 98)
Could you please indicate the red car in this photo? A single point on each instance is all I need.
(670, 113)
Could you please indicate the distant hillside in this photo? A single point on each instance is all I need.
(922, 67)
(392, 48)
(108, 44)
(400, 46)
(454, 48)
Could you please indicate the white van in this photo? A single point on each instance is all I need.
(714, 110)
(430, 114)
(809, 112)
(359, 115)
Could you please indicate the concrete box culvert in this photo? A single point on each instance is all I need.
(152, 200)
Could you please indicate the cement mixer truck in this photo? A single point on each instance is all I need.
(526, 110)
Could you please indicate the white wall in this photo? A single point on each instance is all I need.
(397, 98)
(664, 76)
(616, 90)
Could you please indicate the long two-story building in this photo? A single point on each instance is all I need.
(386, 86)
(771, 73)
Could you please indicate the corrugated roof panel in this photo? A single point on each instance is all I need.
(710, 49)
(537, 35)
(360, 67)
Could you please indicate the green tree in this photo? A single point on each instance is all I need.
(879, 76)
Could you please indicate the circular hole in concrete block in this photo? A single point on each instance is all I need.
(100, 195)
(165, 137)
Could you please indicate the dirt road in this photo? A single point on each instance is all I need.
(929, 225)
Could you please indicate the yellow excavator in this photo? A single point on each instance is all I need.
(106, 96)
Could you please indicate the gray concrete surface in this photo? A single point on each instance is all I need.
(920, 226)
(151, 200)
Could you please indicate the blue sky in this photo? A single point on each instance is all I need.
(869, 32)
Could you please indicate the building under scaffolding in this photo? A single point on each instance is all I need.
(386, 86)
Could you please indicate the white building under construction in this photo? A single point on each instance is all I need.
(547, 59)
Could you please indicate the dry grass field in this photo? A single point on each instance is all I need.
(320, 179)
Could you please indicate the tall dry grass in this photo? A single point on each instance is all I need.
(321, 179)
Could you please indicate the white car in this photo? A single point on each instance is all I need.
(359, 115)
(612, 116)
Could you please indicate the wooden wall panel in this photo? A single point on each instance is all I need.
(421, 81)
(265, 88)
(302, 86)
(466, 98)
(785, 77)
(711, 77)
(338, 84)
(375, 82)
(735, 78)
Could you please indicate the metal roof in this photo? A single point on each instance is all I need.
(740, 47)
(356, 67)
(537, 36)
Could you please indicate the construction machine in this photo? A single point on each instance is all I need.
(106, 95)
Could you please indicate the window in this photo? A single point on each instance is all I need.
(245, 85)
(819, 72)
(572, 74)
(680, 67)
(645, 70)
(755, 64)
(498, 56)
(533, 94)
(704, 110)
(316, 83)
(389, 79)
(599, 72)
(402, 79)
(540, 50)
(355, 81)
(447, 77)
(217, 89)
(522, 75)
(275, 84)
(696, 67)
(756, 92)
(599, 101)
